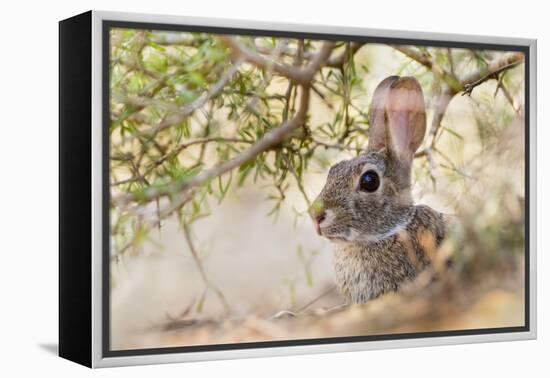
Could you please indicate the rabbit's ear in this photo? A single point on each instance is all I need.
(377, 117)
(405, 118)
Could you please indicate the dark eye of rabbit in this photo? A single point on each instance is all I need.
(370, 181)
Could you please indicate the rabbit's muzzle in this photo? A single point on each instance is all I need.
(318, 214)
(324, 222)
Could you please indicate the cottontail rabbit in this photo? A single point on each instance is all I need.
(366, 209)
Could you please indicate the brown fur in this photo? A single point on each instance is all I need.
(365, 271)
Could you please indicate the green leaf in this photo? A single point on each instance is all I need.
(156, 46)
(200, 302)
(454, 133)
(197, 79)
(309, 276)
(224, 188)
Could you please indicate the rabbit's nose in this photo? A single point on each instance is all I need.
(318, 214)
(319, 218)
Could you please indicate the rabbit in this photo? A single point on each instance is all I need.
(381, 238)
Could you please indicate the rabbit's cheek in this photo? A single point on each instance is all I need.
(335, 229)
(353, 235)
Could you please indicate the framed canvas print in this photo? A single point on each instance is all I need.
(233, 189)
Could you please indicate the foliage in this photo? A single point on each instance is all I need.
(196, 116)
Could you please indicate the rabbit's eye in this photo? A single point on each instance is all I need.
(369, 182)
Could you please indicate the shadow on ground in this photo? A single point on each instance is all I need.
(51, 348)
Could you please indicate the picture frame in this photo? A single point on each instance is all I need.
(85, 199)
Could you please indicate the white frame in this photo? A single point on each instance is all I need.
(97, 186)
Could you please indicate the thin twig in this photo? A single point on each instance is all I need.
(495, 65)
(298, 180)
(176, 151)
(298, 75)
(180, 114)
(207, 282)
(424, 59)
(469, 87)
(323, 294)
(340, 60)
(271, 139)
(441, 102)
(340, 147)
(162, 213)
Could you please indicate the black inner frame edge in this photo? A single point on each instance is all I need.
(107, 25)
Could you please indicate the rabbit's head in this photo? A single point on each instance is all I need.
(368, 197)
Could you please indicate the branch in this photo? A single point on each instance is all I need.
(179, 114)
(187, 110)
(165, 212)
(417, 55)
(441, 102)
(176, 151)
(286, 51)
(453, 85)
(507, 94)
(171, 39)
(469, 82)
(494, 68)
(426, 60)
(206, 281)
(298, 180)
(298, 75)
(495, 64)
(334, 62)
(340, 60)
(270, 140)
(336, 146)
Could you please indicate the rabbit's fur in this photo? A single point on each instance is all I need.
(381, 238)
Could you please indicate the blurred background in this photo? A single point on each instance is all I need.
(219, 257)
